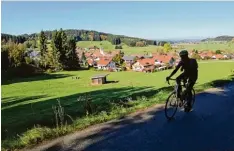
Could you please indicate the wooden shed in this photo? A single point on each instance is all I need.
(99, 79)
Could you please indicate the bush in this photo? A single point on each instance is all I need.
(196, 56)
(123, 68)
(218, 52)
(28, 60)
(118, 47)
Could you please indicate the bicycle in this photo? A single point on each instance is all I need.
(178, 102)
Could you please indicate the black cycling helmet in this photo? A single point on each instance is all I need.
(183, 53)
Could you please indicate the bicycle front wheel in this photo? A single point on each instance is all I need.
(171, 106)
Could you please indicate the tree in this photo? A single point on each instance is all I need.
(72, 60)
(118, 59)
(196, 56)
(28, 44)
(140, 44)
(116, 41)
(83, 59)
(103, 37)
(133, 43)
(63, 46)
(218, 52)
(97, 37)
(167, 47)
(43, 48)
(16, 54)
(161, 43)
(34, 43)
(5, 57)
(57, 56)
(54, 54)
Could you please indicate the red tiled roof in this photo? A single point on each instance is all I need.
(209, 54)
(163, 58)
(97, 54)
(104, 61)
(219, 56)
(147, 61)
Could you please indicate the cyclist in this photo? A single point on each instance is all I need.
(189, 67)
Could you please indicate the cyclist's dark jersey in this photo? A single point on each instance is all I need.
(189, 67)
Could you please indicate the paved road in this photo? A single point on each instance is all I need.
(209, 127)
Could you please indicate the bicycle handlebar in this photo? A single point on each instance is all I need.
(170, 79)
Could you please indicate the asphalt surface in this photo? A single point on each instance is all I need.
(209, 127)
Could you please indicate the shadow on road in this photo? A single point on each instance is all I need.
(210, 126)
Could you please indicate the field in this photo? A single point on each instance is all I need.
(209, 46)
(141, 50)
(106, 45)
(29, 101)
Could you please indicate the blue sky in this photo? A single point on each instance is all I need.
(153, 20)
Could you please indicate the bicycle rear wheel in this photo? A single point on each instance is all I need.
(171, 106)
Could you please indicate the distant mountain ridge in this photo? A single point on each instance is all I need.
(219, 38)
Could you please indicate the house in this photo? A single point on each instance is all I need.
(105, 64)
(228, 56)
(218, 56)
(91, 62)
(129, 59)
(207, 55)
(138, 56)
(164, 59)
(98, 53)
(33, 54)
(144, 65)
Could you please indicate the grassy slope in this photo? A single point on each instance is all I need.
(17, 97)
(34, 97)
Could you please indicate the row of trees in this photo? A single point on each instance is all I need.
(16, 39)
(86, 35)
(61, 55)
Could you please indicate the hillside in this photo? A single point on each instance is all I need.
(84, 35)
(219, 38)
(107, 46)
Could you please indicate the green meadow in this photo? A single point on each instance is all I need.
(28, 102)
(151, 48)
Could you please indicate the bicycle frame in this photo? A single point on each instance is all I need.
(184, 83)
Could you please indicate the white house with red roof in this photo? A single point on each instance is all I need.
(142, 64)
(105, 64)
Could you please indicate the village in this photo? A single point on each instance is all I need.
(98, 59)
